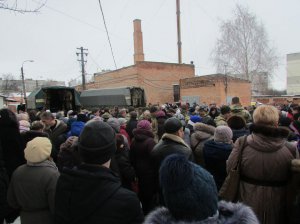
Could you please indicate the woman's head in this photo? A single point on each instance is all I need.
(8, 119)
(266, 115)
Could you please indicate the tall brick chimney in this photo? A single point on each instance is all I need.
(138, 41)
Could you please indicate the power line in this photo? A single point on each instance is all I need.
(112, 53)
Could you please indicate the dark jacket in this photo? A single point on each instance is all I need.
(29, 135)
(228, 213)
(140, 156)
(32, 190)
(93, 194)
(131, 124)
(239, 133)
(160, 126)
(215, 157)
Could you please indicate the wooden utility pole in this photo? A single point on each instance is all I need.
(178, 31)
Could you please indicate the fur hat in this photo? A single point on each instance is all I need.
(38, 150)
(114, 123)
(97, 142)
(236, 122)
(189, 191)
(223, 134)
(195, 119)
(122, 121)
(144, 124)
(172, 125)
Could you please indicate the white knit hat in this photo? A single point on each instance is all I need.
(38, 150)
(223, 134)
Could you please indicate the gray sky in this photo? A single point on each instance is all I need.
(51, 37)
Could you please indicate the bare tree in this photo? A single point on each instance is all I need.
(8, 84)
(22, 6)
(243, 47)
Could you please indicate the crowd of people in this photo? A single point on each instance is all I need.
(157, 164)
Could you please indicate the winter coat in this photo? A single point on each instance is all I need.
(125, 134)
(160, 126)
(29, 135)
(265, 171)
(140, 156)
(127, 173)
(32, 190)
(228, 213)
(131, 124)
(93, 194)
(76, 128)
(208, 120)
(239, 110)
(57, 136)
(215, 157)
(220, 120)
(202, 134)
(236, 133)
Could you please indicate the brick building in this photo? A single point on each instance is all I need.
(212, 89)
(156, 78)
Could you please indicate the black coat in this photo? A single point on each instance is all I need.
(239, 133)
(29, 135)
(130, 126)
(141, 160)
(93, 194)
(215, 157)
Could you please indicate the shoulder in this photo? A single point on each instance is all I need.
(159, 216)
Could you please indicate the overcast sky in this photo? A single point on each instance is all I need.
(51, 37)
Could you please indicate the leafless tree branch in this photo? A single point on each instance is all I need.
(21, 8)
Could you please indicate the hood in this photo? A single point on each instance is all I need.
(142, 135)
(83, 190)
(216, 147)
(76, 128)
(267, 138)
(228, 213)
(204, 128)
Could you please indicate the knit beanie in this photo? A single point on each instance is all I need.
(38, 150)
(172, 125)
(223, 134)
(114, 123)
(189, 191)
(96, 143)
(160, 114)
(144, 124)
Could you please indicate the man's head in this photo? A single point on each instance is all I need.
(122, 112)
(174, 126)
(48, 119)
(225, 111)
(96, 143)
(203, 110)
(235, 100)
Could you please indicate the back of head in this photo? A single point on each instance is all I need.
(114, 123)
(188, 190)
(38, 150)
(235, 100)
(172, 125)
(236, 122)
(47, 115)
(8, 119)
(223, 134)
(266, 115)
(144, 124)
(133, 115)
(96, 143)
(225, 109)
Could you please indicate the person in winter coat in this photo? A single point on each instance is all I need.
(56, 130)
(131, 124)
(216, 153)
(161, 119)
(77, 126)
(94, 190)
(140, 156)
(213, 112)
(238, 127)
(237, 109)
(11, 156)
(123, 131)
(32, 187)
(203, 133)
(223, 117)
(206, 118)
(126, 170)
(191, 196)
(265, 166)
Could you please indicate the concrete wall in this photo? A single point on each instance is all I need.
(293, 74)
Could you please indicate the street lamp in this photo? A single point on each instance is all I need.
(23, 82)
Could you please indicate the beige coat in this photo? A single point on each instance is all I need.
(265, 159)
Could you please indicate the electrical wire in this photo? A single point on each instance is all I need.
(112, 53)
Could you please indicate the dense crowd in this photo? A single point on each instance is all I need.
(158, 164)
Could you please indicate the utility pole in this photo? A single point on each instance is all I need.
(82, 61)
(178, 31)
